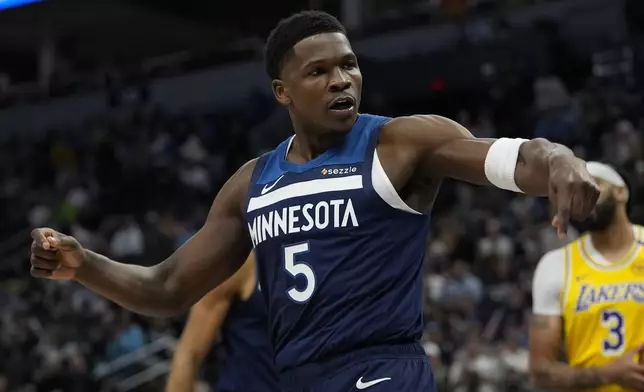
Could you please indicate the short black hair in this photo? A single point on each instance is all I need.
(292, 30)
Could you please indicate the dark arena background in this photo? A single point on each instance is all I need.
(120, 120)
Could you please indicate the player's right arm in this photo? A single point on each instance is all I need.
(429, 148)
(546, 339)
(209, 258)
(204, 323)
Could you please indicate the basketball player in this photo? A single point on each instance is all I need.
(235, 310)
(587, 298)
(337, 216)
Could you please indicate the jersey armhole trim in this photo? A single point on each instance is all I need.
(258, 170)
(565, 285)
(385, 189)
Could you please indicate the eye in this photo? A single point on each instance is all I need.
(316, 72)
(350, 65)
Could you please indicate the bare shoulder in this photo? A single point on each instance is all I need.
(426, 131)
(241, 178)
(232, 194)
(423, 121)
(419, 142)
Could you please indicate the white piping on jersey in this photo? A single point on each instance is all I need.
(288, 146)
(565, 290)
(385, 189)
(379, 180)
(598, 261)
(305, 188)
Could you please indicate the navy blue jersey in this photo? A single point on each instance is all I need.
(338, 253)
(249, 362)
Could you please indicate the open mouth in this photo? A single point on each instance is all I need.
(343, 104)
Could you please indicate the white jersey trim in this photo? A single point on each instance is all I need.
(597, 261)
(304, 188)
(385, 189)
(288, 146)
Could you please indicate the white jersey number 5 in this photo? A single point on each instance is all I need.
(295, 269)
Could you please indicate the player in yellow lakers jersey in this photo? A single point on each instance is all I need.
(588, 298)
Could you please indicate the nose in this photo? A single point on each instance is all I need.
(339, 81)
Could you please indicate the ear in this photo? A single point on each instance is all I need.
(280, 91)
(621, 194)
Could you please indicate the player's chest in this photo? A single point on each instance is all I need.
(327, 201)
(591, 295)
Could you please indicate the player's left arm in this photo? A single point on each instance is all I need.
(438, 147)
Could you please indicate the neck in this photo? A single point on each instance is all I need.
(311, 140)
(617, 236)
(308, 147)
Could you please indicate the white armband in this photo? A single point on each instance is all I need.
(501, 162)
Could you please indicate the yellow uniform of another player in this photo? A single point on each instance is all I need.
(602, 304)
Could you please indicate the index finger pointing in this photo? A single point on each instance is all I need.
(563, 204)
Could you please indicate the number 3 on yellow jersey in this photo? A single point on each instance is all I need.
(613, 321)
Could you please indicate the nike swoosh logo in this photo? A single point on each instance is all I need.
(268, 188)
(364, 385)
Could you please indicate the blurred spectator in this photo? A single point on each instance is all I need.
(623, 144)
(514, 358)
(461, 286)
(127, 240)
(495, 243)
(127, 337)
(476, 369)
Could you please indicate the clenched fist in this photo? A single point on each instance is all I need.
(55, 255)
(573, 191)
